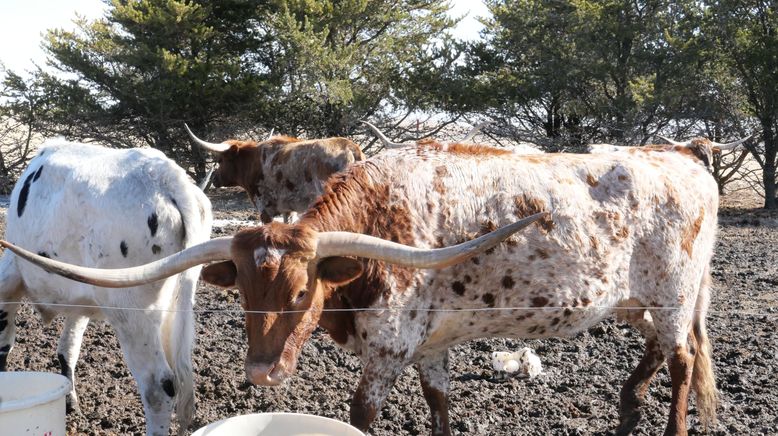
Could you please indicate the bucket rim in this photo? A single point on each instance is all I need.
(55, 393)
(286, 414)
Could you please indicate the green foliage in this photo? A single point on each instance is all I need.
(336, 62)
(562, 73)
(587, 70)
(302, 67)
(149, 66)
(744, 39)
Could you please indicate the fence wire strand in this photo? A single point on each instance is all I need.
(770, 311)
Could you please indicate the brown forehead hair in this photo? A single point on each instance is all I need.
(276, 235)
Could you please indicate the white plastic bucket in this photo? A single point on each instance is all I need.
(32, 403)
(278, 424)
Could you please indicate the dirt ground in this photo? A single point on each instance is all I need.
(577, 395)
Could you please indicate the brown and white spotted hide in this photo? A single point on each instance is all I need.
(283, 174)
(701, 148)
(627, 230)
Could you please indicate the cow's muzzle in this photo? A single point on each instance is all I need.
(264, 374)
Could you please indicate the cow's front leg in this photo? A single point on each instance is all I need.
(68, 349)
(378, 377)
(433, 374)
(139, 337)
(11, 289)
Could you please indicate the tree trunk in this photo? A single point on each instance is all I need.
(768, 178)
(768, 172)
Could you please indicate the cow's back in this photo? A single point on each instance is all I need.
(101, 207)
(455, 194)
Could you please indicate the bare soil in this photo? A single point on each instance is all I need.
(577, 395)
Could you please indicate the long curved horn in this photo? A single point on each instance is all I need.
(355, 244)
(671, 142)
(209, 251)
(207, 180)
(731, 145)
(383, 138)
(474, 131)
(210, 146)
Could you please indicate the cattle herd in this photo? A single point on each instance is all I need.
(398, 257)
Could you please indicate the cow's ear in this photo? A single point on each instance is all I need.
(220, 274)
(339, 270)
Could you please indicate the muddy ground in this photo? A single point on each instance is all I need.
(578, 394)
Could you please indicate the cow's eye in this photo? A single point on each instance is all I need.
(300, 296)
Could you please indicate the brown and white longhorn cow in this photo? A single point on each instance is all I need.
(282, 174)
(630, 234)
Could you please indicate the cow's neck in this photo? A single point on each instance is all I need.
(351, 202)
(357, 201)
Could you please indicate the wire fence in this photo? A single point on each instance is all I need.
(769, 311)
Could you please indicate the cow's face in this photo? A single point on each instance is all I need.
(283, 289)
(228, 168)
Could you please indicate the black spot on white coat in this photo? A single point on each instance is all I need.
(167, 386)
(23, 194)
(4, 356)
(123, 248)
(183, 224)
(64, 369)
(153, 223)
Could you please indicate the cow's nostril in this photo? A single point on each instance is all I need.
(263, 374)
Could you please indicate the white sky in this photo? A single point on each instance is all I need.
(23, 22)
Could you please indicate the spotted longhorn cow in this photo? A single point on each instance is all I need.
(282, 174)
(108, 208)
(630, 234)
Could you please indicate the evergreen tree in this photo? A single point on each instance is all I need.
(744, 37)
(309, 68)
(584, 71)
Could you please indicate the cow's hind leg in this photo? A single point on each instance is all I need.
(634, 390)
(680, 363)
(11, 289)
(139, 334)
(433, 374)
(673, 328)
(67, 353)
(377, 380)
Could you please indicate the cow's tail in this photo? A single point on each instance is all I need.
(703, 381)
(196, 216)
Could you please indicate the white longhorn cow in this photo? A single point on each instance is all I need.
(109, 208)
